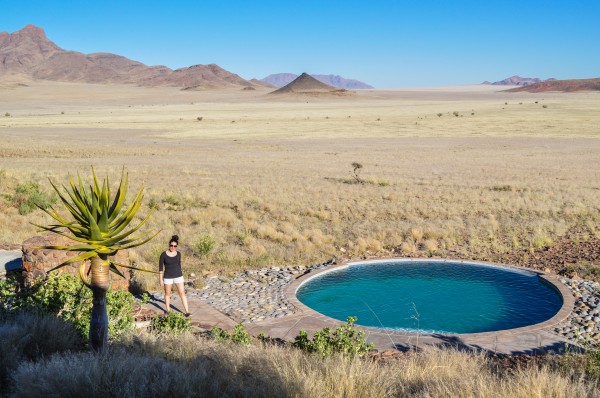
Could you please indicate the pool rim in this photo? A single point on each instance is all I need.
(568, 300)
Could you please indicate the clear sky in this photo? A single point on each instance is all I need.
(384, 43)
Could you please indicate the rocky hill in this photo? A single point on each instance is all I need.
(566, 86)
(517, 81)
(305, 84)
(282, 79)
(29, 53)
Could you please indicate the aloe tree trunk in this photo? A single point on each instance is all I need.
(99, 319)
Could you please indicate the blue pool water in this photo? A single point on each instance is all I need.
(436, 297)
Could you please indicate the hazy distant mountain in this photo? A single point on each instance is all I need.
(517, 81)
(306, 84)
(29, 53)
(282, 79)
(561, 85)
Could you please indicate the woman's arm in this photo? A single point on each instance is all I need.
(161, 266)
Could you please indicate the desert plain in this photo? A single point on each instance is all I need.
(248, 179)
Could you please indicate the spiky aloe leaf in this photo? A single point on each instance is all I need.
(101, 224)
(133, 268)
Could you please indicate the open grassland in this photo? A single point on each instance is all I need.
(248, 180)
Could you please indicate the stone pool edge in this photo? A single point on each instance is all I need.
(567, 298)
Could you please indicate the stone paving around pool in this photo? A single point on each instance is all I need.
(265, 302)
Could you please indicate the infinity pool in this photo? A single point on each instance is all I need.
(433, 297)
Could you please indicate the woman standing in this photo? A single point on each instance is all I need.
(169, 269)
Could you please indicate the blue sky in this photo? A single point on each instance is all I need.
(384, 43)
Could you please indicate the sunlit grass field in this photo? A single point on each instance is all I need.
(247, 180)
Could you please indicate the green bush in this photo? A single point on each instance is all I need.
(345, 339)
(28, 195)
(65, 296)
(204, 245)
(238, 335)
(173, 323)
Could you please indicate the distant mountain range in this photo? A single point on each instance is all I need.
(283, 79)
(517, 81)
(29, 53)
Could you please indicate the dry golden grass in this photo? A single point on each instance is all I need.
(271, 181)
(188, 366)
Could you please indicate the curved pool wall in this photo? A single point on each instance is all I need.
(563, 309)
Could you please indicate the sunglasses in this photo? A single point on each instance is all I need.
(172, 245)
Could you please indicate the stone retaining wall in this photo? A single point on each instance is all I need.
(37, 262)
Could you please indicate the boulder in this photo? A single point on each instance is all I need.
(37, 262)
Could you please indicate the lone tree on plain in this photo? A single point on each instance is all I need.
(356, 170)
(99, 228)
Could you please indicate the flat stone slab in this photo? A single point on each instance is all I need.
(10, 260)
(203, 315)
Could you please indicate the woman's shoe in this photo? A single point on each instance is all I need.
(188, 314)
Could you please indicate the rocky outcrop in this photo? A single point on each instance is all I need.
(283, 79)
(38, 262)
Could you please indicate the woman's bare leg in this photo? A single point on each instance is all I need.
(168, 297)
(181, 291)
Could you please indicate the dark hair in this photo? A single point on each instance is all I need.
(175, 239)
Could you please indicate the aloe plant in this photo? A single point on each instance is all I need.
(100, 228)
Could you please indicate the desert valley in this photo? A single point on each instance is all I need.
(251, 176)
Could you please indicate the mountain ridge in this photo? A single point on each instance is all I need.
(30, 53)
(517, 81)
(566, 86)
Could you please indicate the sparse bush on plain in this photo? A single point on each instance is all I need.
(28, 196)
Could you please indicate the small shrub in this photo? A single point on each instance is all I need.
(238, 335)
(64, 295)
(439, 114)
(28, 195)
(172, 200)
(544, 106)
(455, 113)
(7, 114)
(356, 167)
(199, 118)
(345, 339)
(173, 323)
(204, 245)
